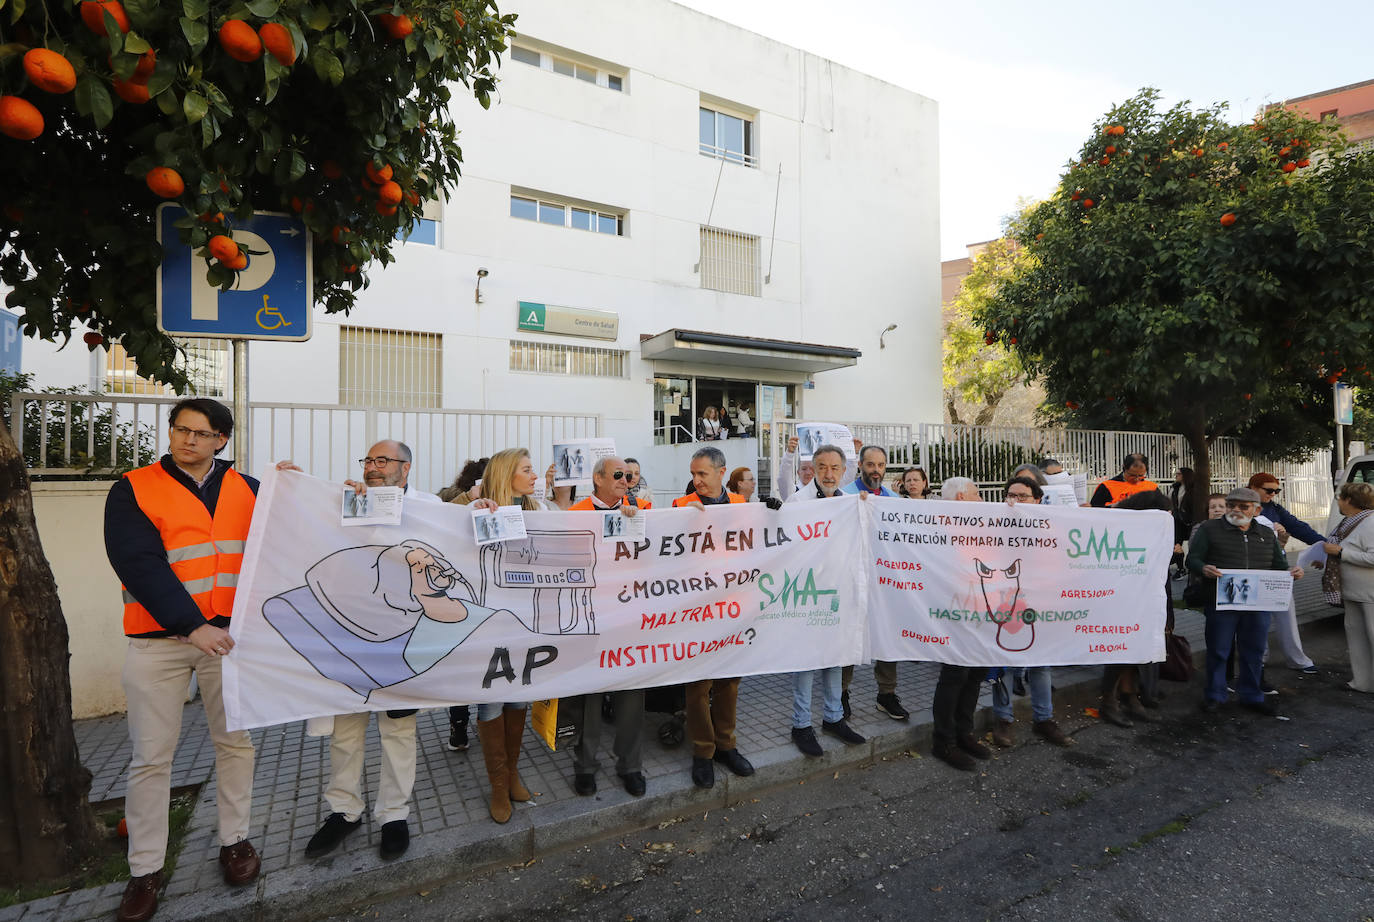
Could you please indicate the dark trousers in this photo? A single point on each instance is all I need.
(956, 700)
(1247, 632)
(884, 673)
(458, 716)
(629, 731)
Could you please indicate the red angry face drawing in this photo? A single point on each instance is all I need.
(1002, 600)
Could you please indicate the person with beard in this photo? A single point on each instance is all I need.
(1236, 542)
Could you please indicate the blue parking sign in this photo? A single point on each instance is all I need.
(11, 343)
(272, 298)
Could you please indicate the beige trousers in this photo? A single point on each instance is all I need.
(346, 749)
(157, 673)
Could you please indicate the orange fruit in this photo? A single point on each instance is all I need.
(350, 269)
(165, 182)
(385, 210)
(239, 41)
(377, 175)
(1284, 151)
(1111, 149)
(390, 193)
(331, 169)
(337, 233)
(238, 262)
(412, 198)
(396, 26)
(123, 828)
(1088, 203)
(93, 15)
(1105, 160)
(276, 38)
(49, 71)
(146, 63)
(224, 248)
(1228, 219)
(1289, 167)
(458, 18)
(19, 118)
(130, 91)
(296, 203)
(1304, 162)
(94, 339)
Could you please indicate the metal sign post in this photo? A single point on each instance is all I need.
(1343, 399)
(243, 431)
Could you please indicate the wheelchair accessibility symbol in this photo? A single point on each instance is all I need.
(268, 312)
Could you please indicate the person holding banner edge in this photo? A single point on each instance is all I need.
(610, 486)
(829, 466)
(174, 533)
(711, 702)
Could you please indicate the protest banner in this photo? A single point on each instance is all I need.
(331, 620)
(996, 585)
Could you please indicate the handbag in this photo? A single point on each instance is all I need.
(1178, 658)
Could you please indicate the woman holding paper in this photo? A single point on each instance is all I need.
(509, 480)
(1349, 576)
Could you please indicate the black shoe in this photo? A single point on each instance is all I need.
(1268, 689)
(1209, 706)
(457, 737)
(844, 702)
(805, 740)
(584, 783)
(892, 707)
(737, 763)
(946, 751)
(842, 731)
(1151, 703)
(634, 783)
(703, 772)
(969, 743)
(395, 839)
(1266, 708)
(327, 838)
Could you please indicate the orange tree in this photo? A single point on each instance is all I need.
(338, 110)
(1198, 276)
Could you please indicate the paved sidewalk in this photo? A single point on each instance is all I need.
(451, 831)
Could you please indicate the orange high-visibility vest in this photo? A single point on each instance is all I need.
(1120, 489)
(693, 498)
(585, 504)
(205, 553)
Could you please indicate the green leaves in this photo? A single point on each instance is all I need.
(194, 106)
(94, 100)
(327, 65)
(197, 34)
(263, 9)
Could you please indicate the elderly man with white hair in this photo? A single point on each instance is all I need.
(956, 692)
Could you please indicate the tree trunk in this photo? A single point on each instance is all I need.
(46, 824)
(1195, 431)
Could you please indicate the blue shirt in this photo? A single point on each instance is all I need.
(858, 487)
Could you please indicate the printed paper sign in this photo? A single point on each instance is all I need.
(1254, 590)
(505, 524)
(1059, 494)
(573, 461)
(616, 526)
(811, 436)
(378, 506)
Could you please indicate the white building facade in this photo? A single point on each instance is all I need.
(663, 212)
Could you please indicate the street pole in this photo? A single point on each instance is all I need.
(242, 424)
(1340, 429)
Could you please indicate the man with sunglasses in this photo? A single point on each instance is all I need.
(1285, 623)
(175, 533)
(610, 484)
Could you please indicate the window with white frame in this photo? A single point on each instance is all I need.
(205, 361)
(568, 65)
(561, 359)
(390, 368)
(730, 262)
(426, 229)
(727, 134)
(545, 209)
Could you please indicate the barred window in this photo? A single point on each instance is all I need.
(730, 262)
(390, 368)
(560, 359)
(205, 361)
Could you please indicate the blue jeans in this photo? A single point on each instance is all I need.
(493, 711)
(832, 706)
(1041, 695)
(1248, 630)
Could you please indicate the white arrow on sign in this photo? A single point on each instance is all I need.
(205, 297)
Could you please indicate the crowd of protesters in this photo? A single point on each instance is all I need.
(175, 534)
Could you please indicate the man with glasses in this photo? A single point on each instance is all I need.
(174, 534)
(387, 464)
(610, 485)
(1286, 524)
(1235, 542)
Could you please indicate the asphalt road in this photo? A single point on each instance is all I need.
(1229, 817)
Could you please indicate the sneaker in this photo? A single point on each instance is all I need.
(1001, 734)
(327, 838)
(584, 784)
(842, 731)
(969, 743)
(892, 707)
(946, 751)
(844, 702)
(1267, 708)
(457, 737)
(1050, 732)
(1268, 689)
(1310, 669)
(805, 740)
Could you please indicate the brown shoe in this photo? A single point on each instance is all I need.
(140, 898)
(1001, 734)
(947, 752)
(969, 743)
(240, 862)
(1050, 732)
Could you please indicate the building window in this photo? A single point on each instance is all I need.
(567, 65)
(546, 210)
(727, 135)
(390, 368)
(730, 262)
(205, 361)
(1329, 113)
(560, 359)
(426, 229)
